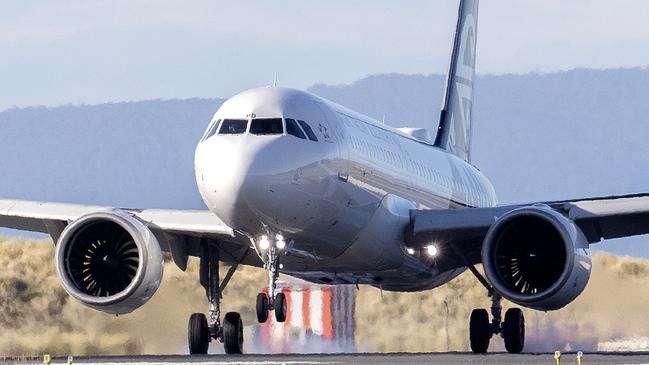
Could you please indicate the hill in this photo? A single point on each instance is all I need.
(536, 136)
(138, 154)
(577, 133)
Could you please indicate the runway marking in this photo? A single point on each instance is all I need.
(225, 363)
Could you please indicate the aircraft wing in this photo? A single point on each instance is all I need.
(466, 228)
(178, 231)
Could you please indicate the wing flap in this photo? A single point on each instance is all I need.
(614, 206)
(609, 218)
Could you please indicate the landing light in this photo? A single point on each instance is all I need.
(432, 250)
(410, 250)
(280, 244)
(264, 243)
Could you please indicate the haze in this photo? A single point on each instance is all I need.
(89, 52)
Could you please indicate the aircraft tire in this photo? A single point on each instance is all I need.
(262, 307)
(233, 333)
(479, 331)
(280, 307)
(514, 330)
(198, 334)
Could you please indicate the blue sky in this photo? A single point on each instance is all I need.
(57, 52)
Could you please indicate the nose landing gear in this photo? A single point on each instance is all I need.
(200, 332)
(274, 301)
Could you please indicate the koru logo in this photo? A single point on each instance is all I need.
(323, 130)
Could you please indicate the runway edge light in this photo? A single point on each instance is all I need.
(557, 357)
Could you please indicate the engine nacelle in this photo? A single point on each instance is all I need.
(537, 258)
(109, 261)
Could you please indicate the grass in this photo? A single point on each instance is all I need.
(37, 316)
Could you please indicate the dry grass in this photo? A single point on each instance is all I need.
(37, 316)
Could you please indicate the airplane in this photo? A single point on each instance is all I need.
(298, 185)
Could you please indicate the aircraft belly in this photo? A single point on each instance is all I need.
(396, 281)
(376, 256)
(370, 246)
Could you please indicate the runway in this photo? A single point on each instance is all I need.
(373, 359)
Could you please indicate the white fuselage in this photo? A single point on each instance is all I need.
(342, 201)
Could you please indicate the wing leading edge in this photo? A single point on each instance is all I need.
(598, 218)
(179, 231)
(37, 216)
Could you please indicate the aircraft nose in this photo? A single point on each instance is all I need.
(227, 171)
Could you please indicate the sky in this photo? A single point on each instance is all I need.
(80, 51)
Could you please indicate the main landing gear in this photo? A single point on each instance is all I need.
(273, 301)
(481, 329)
(230, 331)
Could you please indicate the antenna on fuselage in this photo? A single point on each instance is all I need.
(274, 84)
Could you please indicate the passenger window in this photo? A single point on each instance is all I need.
(233, 126)
(293, 129)
(266, 126)
(212, 129)
(308, 130)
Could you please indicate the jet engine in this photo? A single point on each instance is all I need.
(537, 258)
(109, 261)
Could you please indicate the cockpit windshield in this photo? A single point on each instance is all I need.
(211, 129)
(233, 126)
(308, 130)
(267, 126)
(261, 126)
(293, 129)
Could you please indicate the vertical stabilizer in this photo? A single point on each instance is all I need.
(455, 123)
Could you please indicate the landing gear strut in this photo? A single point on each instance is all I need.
(273, 301)
(201, 333)
(481, 330)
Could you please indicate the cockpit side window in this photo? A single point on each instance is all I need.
(308, 130)
(233, 126)
(267, 126)
(293, 129)
(211, 129)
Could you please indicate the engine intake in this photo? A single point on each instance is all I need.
(109, 261)
(537, 258)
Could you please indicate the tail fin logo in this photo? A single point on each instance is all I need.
(468, 36)
(461, 107)
(455, 126)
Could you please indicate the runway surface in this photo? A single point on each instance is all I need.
(373, 359)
